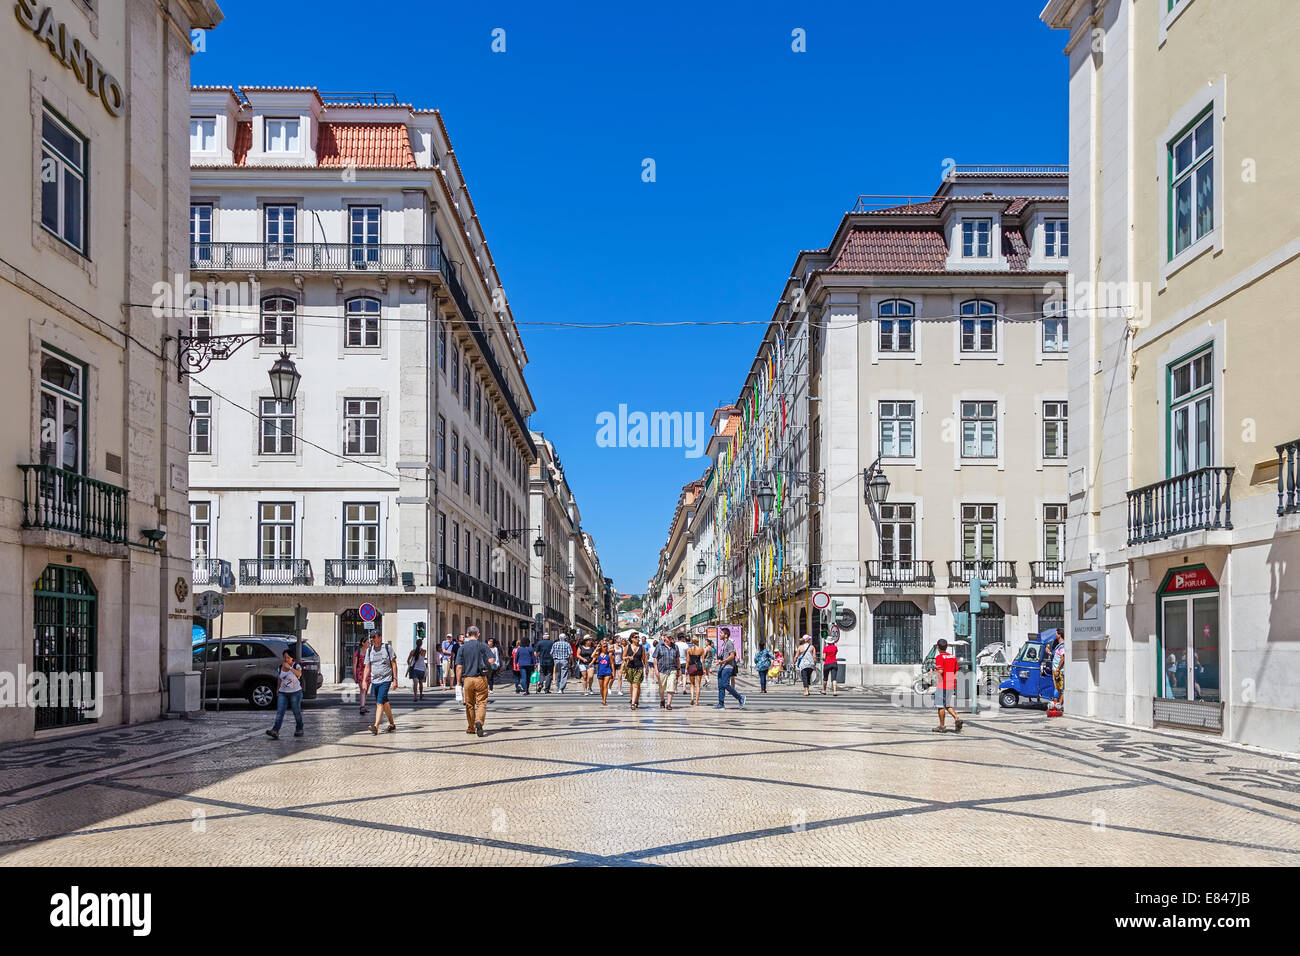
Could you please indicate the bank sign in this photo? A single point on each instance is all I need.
(72, 53)
(1087, 594)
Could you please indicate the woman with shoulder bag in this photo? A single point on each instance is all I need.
(695, 669)
(416, 666)
(805, 661)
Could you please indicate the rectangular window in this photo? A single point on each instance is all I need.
(276, 531)
(442, 348)
(895, 320)
(478, 484)
(203, 134)
(63, 181)
(455, 457)
(277, 427)
(478, 405)
(478, 557)
(361, 531)
(1056, 334)
(979, 429)
(465, 463)
(464, 392)
(976, 236)
(362, 323)
(1056, 238)
(361, 426)
(467, 536)
(200, 232)
(442, 538)
(200, 310)
(278, 322)
(1053, 532)
(455, 544)
(1191, 404)
(279, 223)
(897, 534)
(363, 235)
(63, 412)
(282, 134)
(1191, 185)
(1055, 429)
(455, 369)
(200, 529)
(897, 429)
(200, 425)
(442, 443)
(979, 532)
(979, 326)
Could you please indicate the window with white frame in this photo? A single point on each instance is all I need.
(279, 225)
(979, 429)
(276, 537)
(478, 481)
(466, 542)
(1191, 406)
(442, 538)
(455, 369)
(200, 425)
(277, 427)
(478, 405)
(464, 392)
(442, 443)
(897, 534)
(362, 323)
(895, 320)
(1056, 329)
(363, 234)
(1191, 184)
(203, 134)
(897, 429)
(464, 460)
(278, 321)
(63, 180)
(361, 531)
(282, 134)
(442, 348)
(1056, 238)
(200, 311)
(63, 412)
(1053, 533)
(977, 238)
(1056, 429)
(455, 544)
(361, 426)
(455, 457)
(979, 532)
(979, 326)
(200, 232)
(200, 529)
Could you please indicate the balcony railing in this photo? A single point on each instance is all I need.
(316, 256)
(1046, 574)
(915, 573)
(209, 572)
(1288, 478)
(378, 572)
(1200, 499)
(60, 500)
(262, 571)
(998, 574)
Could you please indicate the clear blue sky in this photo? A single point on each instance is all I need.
(759, 150)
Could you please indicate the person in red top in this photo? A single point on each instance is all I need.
(830, 667)
(945, 687)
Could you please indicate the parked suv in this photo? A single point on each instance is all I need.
(249, 665)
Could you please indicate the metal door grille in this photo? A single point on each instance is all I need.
(896, 633)
(64, 645)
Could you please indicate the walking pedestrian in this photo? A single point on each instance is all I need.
(635, 671)
(763, 661)
(526, 656)
(416, 665)
(359, 673)
(604, 671)
(455, 653)
(665, 666)
(727, 659)
(831, 667)
(587, 658)
(445, 656)
(382, 677)
(562, 654)
(695, 668)
(545, 663)
(945, 685)
(619, 652)
(1058, 670)
(710, 658)
(290, 695)
(471, 673)
(805, 659)
(494, 659)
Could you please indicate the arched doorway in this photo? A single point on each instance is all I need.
(352, 634)
(64, 643)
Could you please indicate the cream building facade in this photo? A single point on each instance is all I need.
(96, 184)
(1183, 553)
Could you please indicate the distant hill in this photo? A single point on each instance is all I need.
(631, 602)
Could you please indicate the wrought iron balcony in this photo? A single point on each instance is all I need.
(332, 257)
(1046, 574)
(553, 615)
(887, 573)
(263, 571)
(379, 572)
(1198, 500)
(208, 572)
(1288, 477)
(60, 500)
(998, 574)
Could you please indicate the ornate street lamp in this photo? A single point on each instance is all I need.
(700, 567)
(876, 483)
(765, 497)
(284, 378)
(539, 546)
(194, 353)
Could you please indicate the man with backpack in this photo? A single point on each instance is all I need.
(381, 674)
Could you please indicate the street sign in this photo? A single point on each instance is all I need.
(821, 600)
(209, 605)
(367, 612)
(368, 625)
(834, 633)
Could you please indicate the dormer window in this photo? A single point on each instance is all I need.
(203, 134)
(976, 238)
(1056, 238)
(282, 135)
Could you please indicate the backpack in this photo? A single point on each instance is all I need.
(764, 660)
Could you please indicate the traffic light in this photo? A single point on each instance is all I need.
(978, 594)
(835, 610)
(299, 618)
(419, 630)
(961, 623)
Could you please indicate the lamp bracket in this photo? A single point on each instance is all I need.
(195, 353)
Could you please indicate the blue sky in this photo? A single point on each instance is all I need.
(758, 152)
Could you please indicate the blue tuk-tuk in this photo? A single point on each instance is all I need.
(1031, 671)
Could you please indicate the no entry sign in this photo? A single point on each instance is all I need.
(367, 612)
(821, 600)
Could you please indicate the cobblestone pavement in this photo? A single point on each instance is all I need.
(561, 780)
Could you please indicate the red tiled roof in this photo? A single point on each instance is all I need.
(892, 250)
(343, 144)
